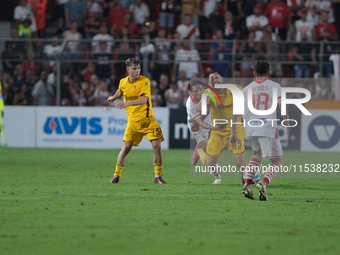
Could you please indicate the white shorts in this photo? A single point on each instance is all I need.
(201, 135)
(271, 147)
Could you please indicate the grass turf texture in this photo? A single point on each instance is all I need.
(58, 201)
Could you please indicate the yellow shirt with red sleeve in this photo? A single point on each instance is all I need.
(134, 91)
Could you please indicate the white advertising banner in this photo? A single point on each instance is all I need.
(321, 131)
(89, 127)
(19, 126)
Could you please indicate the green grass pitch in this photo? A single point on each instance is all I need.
(59, 201)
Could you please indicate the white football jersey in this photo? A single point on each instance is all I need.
(262, 99)
(193, 114)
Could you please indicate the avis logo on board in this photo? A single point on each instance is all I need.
(64, 125)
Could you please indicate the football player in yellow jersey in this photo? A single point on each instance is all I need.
(219, 139)
(137, 102)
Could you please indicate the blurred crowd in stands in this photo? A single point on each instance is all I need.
(168, 30)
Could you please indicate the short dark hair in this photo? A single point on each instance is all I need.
(132, 61)
(261, 67)
(213, 71)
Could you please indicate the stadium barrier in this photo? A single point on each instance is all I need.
(103, 128)
(71, 127)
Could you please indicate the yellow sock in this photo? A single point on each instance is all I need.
(203, 156)
(118, 171)
(158, 170)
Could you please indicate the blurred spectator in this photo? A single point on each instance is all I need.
(175, 46)
(278, 14)
(104, 66)
(188, 30)
(192, 8)
(126, 3)
(161, 55)
(115, 17)
(75, 11)
(249, 52)
(91, 26)
(53, 50)
(152, 81)
(30, 63)
(24, 30)
(73, 46)
(257, 22)
(147, 48)
(132, 27)
(10, 57)
(182, 81)
(303, 26)
(95, 6)
(221, 54)
(235, 7)
(324, 91)
(22, 97)
(78, 95)
(152, 29)
(272, 50)
(327, 5)
(156, 98)
(163, 86)
(18, 75)
(167, 15)
(104, 38)
(43, 93)
(329, 48)
(23, 11)
(30, 79)
(295, 7)
(311, 88)
(39, 9)
(101, 94)
(313, 11)
(125, 50)
(230, 27)
(208, 19)
(60, 14)
(187, 59)
(93, 86)
(173, 96)
(88, 71)
(302, 52)
(324, 24)
(140, 12)
(52, 76)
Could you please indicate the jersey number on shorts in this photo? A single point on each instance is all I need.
(158, 131)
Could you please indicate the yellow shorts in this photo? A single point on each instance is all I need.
(219, 140)
(148, 127)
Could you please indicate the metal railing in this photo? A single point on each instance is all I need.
(235, 53)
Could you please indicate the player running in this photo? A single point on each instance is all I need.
(219, 139)
(197, 126)
(264, 140)
(138, 105)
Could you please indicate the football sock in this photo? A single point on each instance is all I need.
(118, 171)
(271, 173)
(251, 170)
(203, 155)
(158, 170)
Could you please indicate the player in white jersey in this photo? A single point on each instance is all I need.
(197, 126)
(260, 130)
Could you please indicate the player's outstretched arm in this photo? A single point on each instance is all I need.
(117, 95)
(139, 101)
(205, 125)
